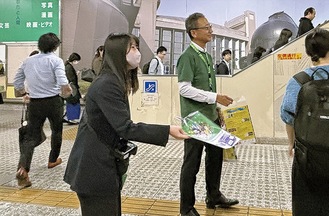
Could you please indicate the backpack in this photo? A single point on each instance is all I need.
(311, 126)
(146, 66)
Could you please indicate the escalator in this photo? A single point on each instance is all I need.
(263, 84)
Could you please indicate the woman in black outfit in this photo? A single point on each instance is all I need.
(95, 168)
(72, 103)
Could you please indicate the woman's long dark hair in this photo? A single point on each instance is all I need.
(114, 60)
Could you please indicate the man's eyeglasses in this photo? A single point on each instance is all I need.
(205, 28)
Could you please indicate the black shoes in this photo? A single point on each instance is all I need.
(223, 202)
(192, 212)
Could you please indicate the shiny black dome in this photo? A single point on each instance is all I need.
(267, 34)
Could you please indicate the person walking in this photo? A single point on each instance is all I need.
(224, 66)
(156, 64)
(44, 74)
(73, 107)
(100, 154)
(197, 89)
(305, 23)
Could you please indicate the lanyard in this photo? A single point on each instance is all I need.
(206, 62)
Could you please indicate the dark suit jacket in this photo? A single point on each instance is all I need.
(222, 68)
(91, 168)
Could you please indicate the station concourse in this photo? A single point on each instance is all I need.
(260, 178)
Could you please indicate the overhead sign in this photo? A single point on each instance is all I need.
(27, 20)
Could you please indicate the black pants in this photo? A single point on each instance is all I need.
(40, 109)
(305, 201)
(100, 206)
(192, 158)
(1, 98)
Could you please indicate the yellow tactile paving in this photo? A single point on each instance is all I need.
(264, 212)
(70, 133)
(286, 213)
(130, 205)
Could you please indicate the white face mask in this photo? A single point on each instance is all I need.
(75, 62)
(133, 58)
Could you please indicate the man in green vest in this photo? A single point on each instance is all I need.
(197, 89)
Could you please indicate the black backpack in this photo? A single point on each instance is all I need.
(311, 126)
(146, 66)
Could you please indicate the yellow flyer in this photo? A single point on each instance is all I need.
(238, 122)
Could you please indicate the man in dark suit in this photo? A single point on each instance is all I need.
(224, 67)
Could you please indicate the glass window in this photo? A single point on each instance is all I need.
(166, 42)
(166, 35)
(211, 48)
(157, 39)
(219, 50)
(178, 43)
(178, 48)
(178, 37)
(242, 48)
(187, 41)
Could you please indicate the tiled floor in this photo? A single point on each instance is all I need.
(260, 178)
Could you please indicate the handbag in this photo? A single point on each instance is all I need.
(75, 96)
(22, 131)
(88, 75)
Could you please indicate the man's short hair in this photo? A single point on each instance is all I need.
(161, 49)
(191, 22)
(309, 10)
(225, 52)
(48, 42)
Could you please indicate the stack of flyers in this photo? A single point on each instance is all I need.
(199, 127)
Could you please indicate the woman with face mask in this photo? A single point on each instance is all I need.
(73, 108)
(99, 157)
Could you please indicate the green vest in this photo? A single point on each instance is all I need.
(191, 68)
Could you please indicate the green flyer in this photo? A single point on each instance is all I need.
(199, 127)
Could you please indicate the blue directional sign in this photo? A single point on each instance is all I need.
(150, 86)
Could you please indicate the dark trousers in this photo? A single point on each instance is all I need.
(192, 158)
(100, 206)
(306, 201)
(40, 109)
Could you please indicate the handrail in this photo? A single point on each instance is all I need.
(277, 50)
